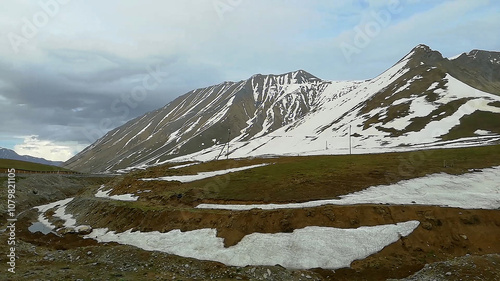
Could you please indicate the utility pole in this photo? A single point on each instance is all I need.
(350, 150)
(228, 139)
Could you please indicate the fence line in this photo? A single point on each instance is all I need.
(21, 171)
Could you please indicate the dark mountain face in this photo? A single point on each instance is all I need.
(203, 118)
(11, 154)
(479, 69)
(428, 75)
(299, 113)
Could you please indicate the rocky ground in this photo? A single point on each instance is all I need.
(50, 257)
(87, 260)
(450, 243)
(38, 189)
(468, 267)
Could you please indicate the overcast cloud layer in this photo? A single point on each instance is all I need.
(70, 70)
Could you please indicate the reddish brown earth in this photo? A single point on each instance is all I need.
(443, 233)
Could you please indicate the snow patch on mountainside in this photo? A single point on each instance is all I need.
(340, 103)
(414, 102)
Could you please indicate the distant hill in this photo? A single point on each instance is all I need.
(11, 154)
(25, 166)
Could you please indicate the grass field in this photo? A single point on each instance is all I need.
(295, 179)
(28, 166)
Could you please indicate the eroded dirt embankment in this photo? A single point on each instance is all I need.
(443, 232)
(37, 189)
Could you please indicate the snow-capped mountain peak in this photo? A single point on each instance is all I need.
(424, 99)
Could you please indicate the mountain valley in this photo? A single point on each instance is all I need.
(284, 177)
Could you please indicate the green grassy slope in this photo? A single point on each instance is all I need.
(28, 166)
(310, 177)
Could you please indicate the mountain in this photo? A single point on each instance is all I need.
(424, 100)
(478, 68)
(11, 154)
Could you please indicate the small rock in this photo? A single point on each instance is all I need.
(89, 253)
(448, 273)
(83, 229)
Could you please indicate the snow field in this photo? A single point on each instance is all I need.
(309, 247)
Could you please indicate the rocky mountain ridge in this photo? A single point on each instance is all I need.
(11, 154)
(422, 100)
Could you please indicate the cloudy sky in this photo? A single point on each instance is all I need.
(70, 70)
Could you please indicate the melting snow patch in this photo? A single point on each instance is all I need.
(479, 190)
(59, 212)
(454, 57)
(309, 247)
(185, 165)
(122, 197)
(482, 132)
(203, 175)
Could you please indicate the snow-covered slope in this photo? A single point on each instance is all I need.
(423, 100)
